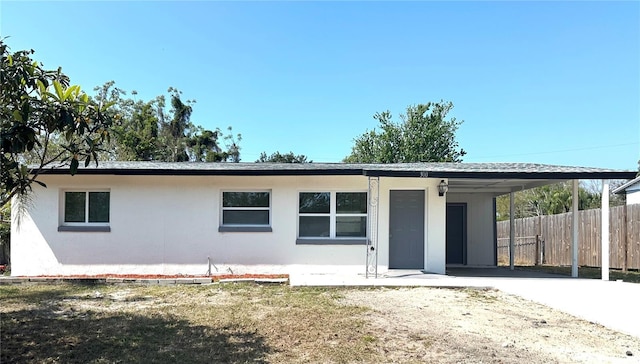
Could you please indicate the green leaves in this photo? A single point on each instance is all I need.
(39, 127)
(17, 116)
(283, 158)
(422, 135)
(41, 87)
(58, 89)
(145, 130)
(546, 200)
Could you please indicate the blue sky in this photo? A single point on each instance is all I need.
(547, 82)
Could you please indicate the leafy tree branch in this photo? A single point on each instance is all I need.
(38, 106)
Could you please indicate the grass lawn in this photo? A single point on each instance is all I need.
(222, 323)
(588, 272)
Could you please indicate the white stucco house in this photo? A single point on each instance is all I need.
(632, 191)
(195, 218)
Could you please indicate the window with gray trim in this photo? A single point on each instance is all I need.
(86, 208)
(332, 215)
(246, 209)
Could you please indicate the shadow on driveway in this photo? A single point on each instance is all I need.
(501, 272)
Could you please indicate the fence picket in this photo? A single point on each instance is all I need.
(554, 232)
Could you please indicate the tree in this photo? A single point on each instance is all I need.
(5, 234)
(283, 158)
(188, 142)
(147, 131)
(44, 121)
(176, 130)
(204, 146)
(422, 135)
(552, 199)
(135, 135)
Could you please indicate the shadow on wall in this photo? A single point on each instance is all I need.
(136, 248)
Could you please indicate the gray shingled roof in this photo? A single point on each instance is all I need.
(436, 170)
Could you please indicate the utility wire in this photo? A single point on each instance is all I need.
(558, 151)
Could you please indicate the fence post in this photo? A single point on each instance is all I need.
(538, 250)
(512, 230)
(574, 229)
(625, 238)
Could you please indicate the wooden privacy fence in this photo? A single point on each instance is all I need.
(547, 239)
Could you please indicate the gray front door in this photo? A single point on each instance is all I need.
(406, 229)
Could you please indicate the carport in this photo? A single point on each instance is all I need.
(469, 191)
(469, 184)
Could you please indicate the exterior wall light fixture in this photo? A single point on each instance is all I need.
(443, 187)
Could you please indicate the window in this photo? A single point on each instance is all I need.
(86, 211)
(246, 211)
(332, 218)
(351, 214)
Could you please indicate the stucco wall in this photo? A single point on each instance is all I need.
(169, 225)
(633, 197)
(480, 227)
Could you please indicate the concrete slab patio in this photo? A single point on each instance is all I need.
(611, 304)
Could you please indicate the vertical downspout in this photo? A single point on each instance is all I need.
(495, 233)
(372, 233)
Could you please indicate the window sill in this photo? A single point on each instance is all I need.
(86, 229)
(244, 229)
(312, 241)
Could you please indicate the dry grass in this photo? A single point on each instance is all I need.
(232, 323)
(248, 323)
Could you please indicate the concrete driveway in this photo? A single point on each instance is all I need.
(615, 305)
(612, 304)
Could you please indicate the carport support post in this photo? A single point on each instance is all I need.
(512, 230)
(574, 230)
(604, 223)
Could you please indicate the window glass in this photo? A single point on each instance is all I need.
(315, 202)
(351, 226)
(98, 206)
(74, 206)
(246, 208)
(332, 215)
(245, 217)
(245, 199)
(314, 226)
(351, 203)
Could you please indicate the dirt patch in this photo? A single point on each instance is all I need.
(484, 326)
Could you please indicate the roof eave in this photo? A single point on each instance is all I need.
(207, 172)
(503, 175)
(348, 172)
(624, 187)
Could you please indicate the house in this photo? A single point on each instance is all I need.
(632, 191)
(195, 218)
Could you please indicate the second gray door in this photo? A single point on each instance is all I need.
(406, 229)
(456, 233)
